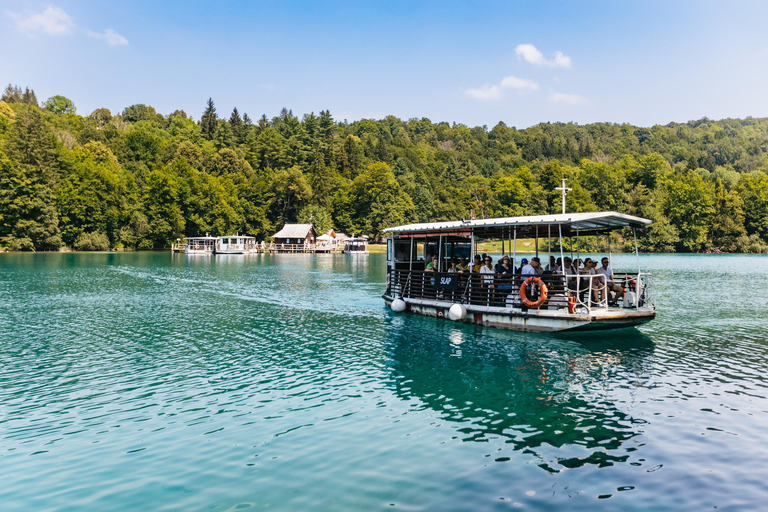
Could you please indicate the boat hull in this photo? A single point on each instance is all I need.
(534, 320)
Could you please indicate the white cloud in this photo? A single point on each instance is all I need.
(53, 21)
(561, 61)
(111, 37)
(570, 99)
(495, 92)
(531, 54)
(522, 84)
(485, 92)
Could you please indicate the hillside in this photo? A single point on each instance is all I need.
(138, 179)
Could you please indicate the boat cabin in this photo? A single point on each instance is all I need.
(356, 245)
(236, 244)
(423, 278)
(200, 244)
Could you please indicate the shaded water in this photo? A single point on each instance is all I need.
(151, 382)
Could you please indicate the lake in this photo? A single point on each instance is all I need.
(148, 381)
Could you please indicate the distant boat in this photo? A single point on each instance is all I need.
(555, 300)
(236, 244)
(200, 245)
(356, 246)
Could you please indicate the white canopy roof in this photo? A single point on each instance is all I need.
(545, 225)
(326, 237)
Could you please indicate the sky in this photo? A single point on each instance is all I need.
(477, 63)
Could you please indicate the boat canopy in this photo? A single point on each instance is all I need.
(584, 224)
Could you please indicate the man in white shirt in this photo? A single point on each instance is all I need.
(607, 279)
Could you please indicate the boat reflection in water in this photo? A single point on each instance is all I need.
(563, 400)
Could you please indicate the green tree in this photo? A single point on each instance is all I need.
(60, 105)
(690, 205)
(209, 121)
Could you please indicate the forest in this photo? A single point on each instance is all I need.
(138, 179)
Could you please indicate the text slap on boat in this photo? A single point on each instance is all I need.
(421, 280)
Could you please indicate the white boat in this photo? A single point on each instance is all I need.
(236, 244)
(355, 246)
(200, 245)
(564, 302)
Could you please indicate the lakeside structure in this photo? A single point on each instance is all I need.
(292, 238)
(356, 245)
(419, 257)
(236, 244)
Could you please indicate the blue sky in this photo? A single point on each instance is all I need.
(519, 62)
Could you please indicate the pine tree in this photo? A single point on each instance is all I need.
(236, 124)
(208, 122)
(29, 97)
(12, 94)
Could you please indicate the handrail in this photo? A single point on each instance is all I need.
(503, 290)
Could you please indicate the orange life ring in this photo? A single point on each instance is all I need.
(542, 297)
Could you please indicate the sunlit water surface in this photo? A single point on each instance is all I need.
(152, 382)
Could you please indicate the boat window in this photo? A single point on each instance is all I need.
(225, 241)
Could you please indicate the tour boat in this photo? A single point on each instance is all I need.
(200, 245)
(356, 246)
(563, 302)
(236, 244)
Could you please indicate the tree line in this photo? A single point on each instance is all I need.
(139, 179)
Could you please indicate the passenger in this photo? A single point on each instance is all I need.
(523, 263)
(568, 270)
(478, 264)
(552, 266)
(589, 270)
(506, 271)
(609, 283)
(487, 269)
(463, 265)
(401, 254)
(432, 265)
(530, 268)
(452, 269)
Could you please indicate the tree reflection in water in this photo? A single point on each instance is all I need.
(562, 399)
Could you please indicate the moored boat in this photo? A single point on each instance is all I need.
(200, 245)
(356, 246)
(236, 244)
(419, 257)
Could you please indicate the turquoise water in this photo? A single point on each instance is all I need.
(151, 382)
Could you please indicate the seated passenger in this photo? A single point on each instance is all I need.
(432, 265)
(523, 263)
(488, 272)
(594, 284)
(478, 264)
(463, 265)
(505, 269)
(552, 266)
(607, 281)
(530, 268)
(452, 269)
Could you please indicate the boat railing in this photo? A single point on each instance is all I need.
(564, 292)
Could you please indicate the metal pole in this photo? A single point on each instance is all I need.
(537, 241)
(514, 250)
(410, 257)
(637, 252)
(439, 252)
(549, 242)
(562, 258)
(610, 256)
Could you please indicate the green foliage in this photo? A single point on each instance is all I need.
(91, 242)
(141, 180)
(60, 105)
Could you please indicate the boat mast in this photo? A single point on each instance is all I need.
(564, 190)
